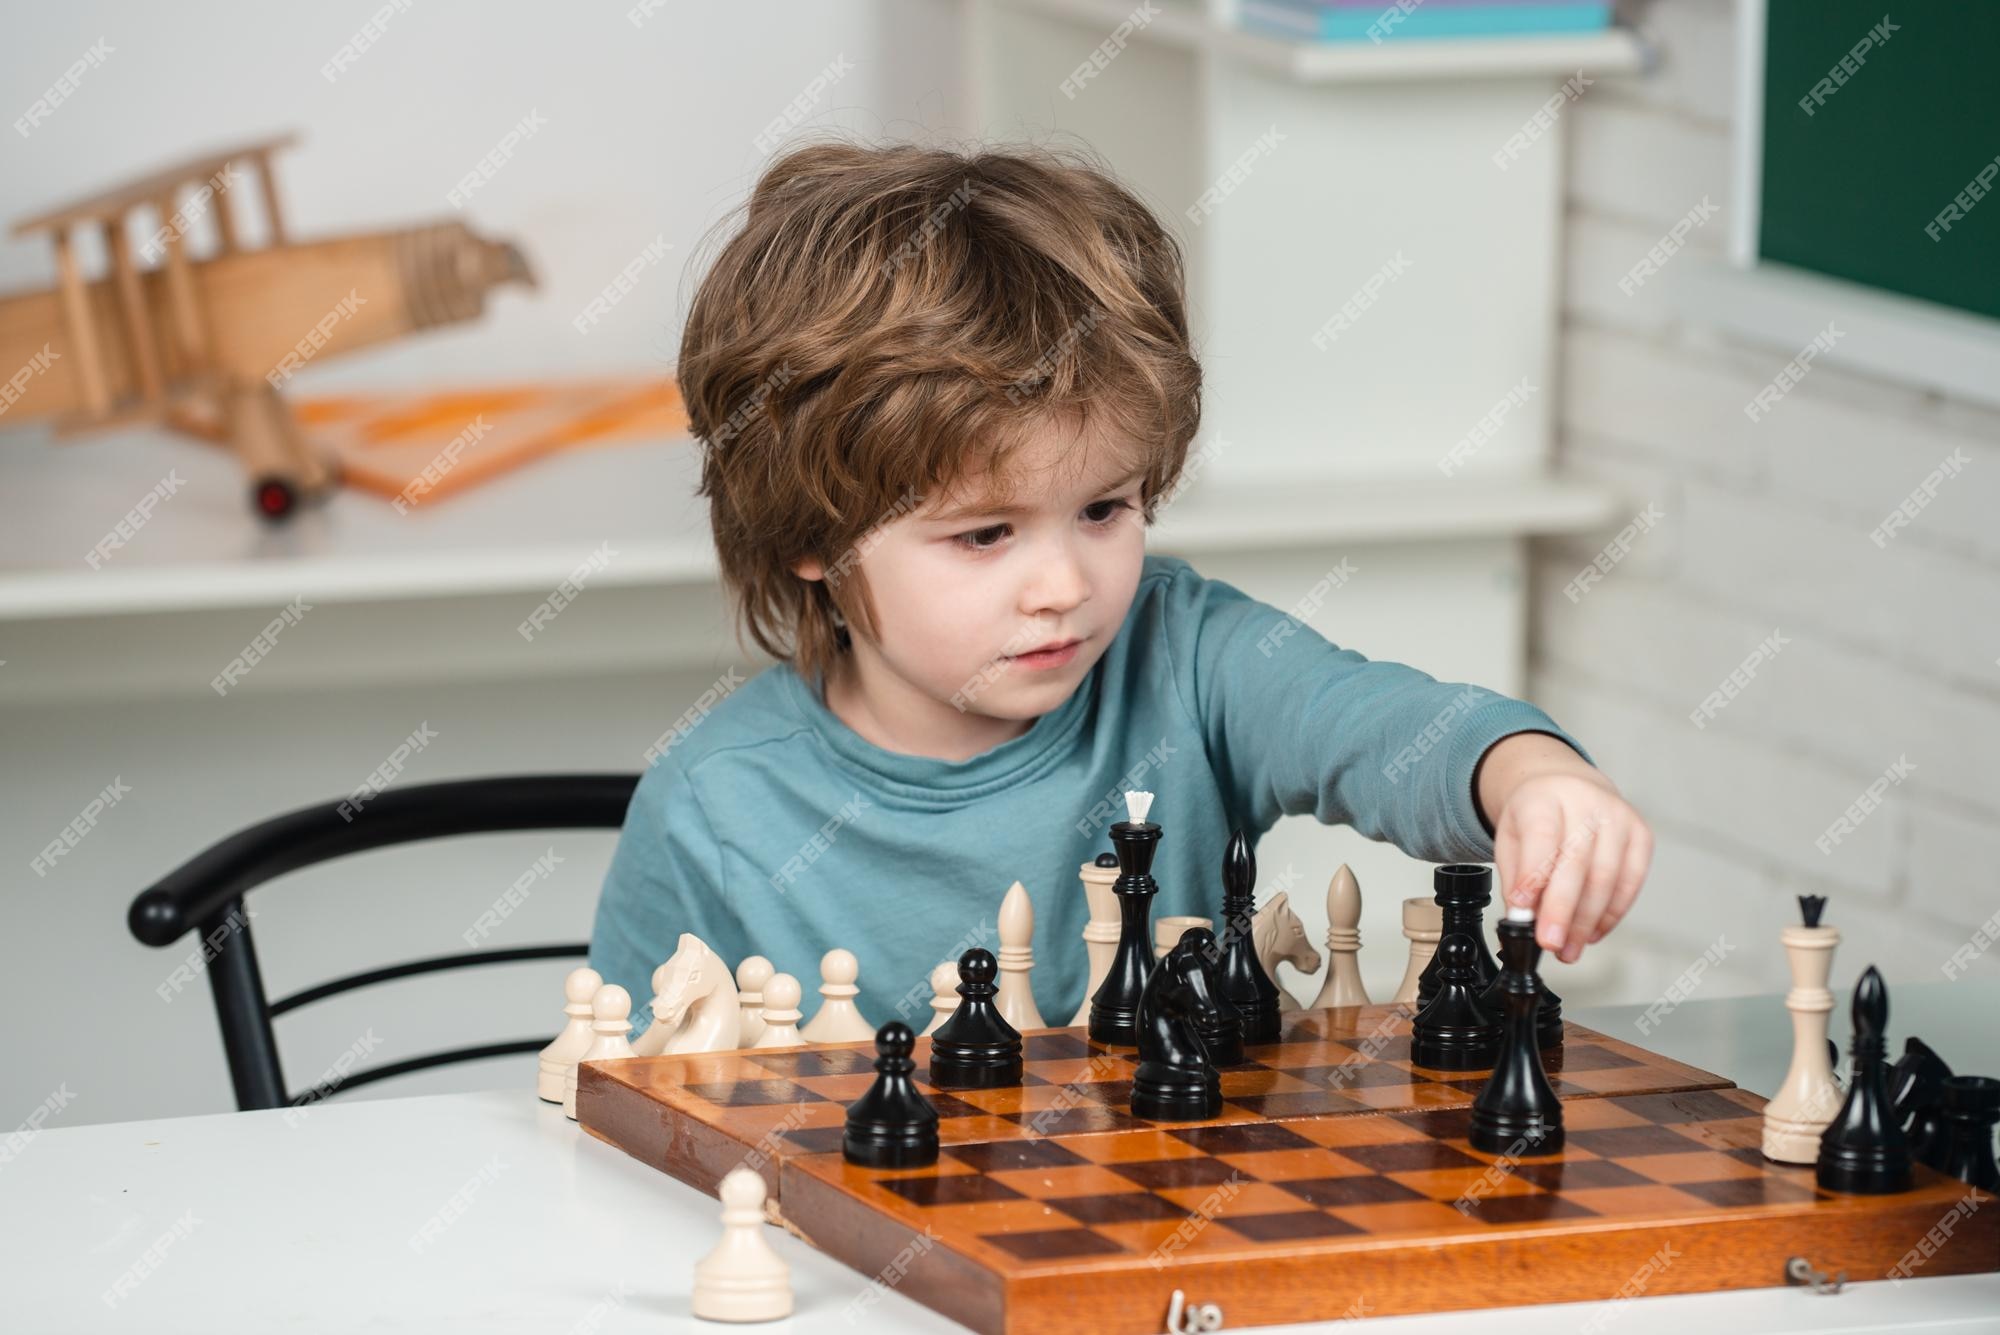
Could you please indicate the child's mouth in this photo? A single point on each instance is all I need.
(1048, 658)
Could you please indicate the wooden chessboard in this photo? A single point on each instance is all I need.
(1337, 1181)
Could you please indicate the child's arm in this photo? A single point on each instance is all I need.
(1563, 839)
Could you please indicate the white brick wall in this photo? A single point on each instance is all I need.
(1893, 651)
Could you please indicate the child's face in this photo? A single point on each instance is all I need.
(963, 591)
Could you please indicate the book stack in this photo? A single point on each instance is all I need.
(1382, 21)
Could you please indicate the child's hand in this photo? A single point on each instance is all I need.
(1565, 842)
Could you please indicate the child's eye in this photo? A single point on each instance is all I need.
(972, 541)
(1111, 509)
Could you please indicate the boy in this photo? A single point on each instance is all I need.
(940, 397)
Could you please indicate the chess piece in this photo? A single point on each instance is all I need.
(1167, 932)
(1463, 890)
(976, 1048)
(1241, 977)
(1343, 985)
(1916, 1089)
(1220, 1027)
(751, 975)
(781, 1013)
(610, 1021)
(1016, 998)
(1174, 1080)
(1799, 1112)
(695, 1006)
(1100, 934)
(1423, 928)
(838, 1020)
(1962, 1147)
(892, 1125)
(1456, 1032)
(1863, 1151)
(944, 994)
(1280, 938)
(1516, 1113)
(566, 1048)
(1114, 1007)
(744, 1278)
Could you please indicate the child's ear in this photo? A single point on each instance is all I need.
(809, 567)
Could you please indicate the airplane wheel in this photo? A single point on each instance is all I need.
(274, 499)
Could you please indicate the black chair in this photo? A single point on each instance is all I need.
(205, 896)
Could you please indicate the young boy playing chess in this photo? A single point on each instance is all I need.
(939, 399)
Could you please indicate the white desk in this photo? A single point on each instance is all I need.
(309, 1226)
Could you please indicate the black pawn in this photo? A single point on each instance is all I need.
(1457, 1031)
(976, 1048)
(1863, 1151)
(1916, 1086)
(1462, 890)
(1963, 1147)
(1517, 1113)
(1218, 1022)
(1174, 1081)
(1114, 1006)
(892, 1125)
(1240, 977)
(1548, 1011)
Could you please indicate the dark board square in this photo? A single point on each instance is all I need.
(1118, 1208)
(998, 1155)
(1297, 1105)
(1441, 1123)
(1737, 1192)
(749, 1093)
(1695, 1105)
(950, 1189)
(1330, 1192)
(1524, 1209)
(1053, 1244)
(1591, 1057)
(1242, 1138)
(814, 1139)
(1288, 1225)
(1082, 1119)
(1176, 1172)
(1046, 1047)
(950, 1105)
(1386, 1049)
(1414, 1157)
(1555, 1175)
(820, 1061)
(1359, 1075)
(1629, 1142)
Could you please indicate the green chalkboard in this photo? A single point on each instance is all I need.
(1860, 161)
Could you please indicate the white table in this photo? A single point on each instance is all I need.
(318, 1222)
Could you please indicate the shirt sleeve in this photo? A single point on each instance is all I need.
(1295, 724)
(665, 879)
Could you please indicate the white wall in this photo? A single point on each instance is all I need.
(1890, 652)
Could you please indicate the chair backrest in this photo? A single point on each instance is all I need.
(205, 896)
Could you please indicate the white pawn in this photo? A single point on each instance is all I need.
(944, 994)
(751, 975)
(744, 1278)
(1016, 998)
(781, 1013)
(838, 1020)
(566, 1048)
(610, 1021)
(1343, 986)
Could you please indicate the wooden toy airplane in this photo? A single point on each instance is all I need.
(204, 346)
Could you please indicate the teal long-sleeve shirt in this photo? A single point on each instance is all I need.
(770, 827)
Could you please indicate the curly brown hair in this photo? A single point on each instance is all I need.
(890, 320)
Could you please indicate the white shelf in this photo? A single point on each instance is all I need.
(1613, 51)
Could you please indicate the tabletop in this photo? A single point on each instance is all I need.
(493, 1212)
